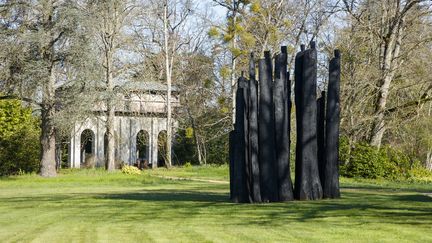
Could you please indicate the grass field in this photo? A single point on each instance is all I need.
(95, 206)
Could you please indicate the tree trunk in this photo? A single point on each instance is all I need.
(110, 160)
(233, 63)
(204, 152)
(48, 141)
(198, 147)
(110, 153)
(168, 69)
(388, 63)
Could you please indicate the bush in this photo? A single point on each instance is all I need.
(19, 139)
(187, 164)
(369, 162)
(130, 170)
(366, 161)
(419, 174)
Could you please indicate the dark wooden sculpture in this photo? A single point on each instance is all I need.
(321, 134)
(267, 153)
(282, 139)
(260, 142)
(307, 182)
(331, 166)
(254, 179)
(240, 193)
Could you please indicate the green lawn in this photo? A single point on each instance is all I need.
(95, 206)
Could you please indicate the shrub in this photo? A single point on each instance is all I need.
(369, 162)
(419, 174)
(187, 164)
(130, 170)
(19, 139)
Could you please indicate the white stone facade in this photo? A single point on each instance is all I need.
(138, 111)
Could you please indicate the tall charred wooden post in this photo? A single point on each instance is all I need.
(298, 87)
(321, 134)
(307, 182)
(254, 173)
(331, 166)
(281, 118)
(244, 84)
(239, 180)
(267, 156)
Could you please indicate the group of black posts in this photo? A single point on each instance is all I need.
(260, 141)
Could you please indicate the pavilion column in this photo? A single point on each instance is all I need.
(76, 162)
(133, 148)
(71, 154)
(100, 145)
(154, 144)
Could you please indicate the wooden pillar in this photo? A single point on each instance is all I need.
(254, 174)
(267, 156)
(240, 193)
(307, 182)
(331, 167)
(281, 119)
(321, 134)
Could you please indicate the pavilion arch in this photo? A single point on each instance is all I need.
(161, 143)
(143, 146)
(87, 148)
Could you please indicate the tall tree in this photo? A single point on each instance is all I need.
(390, 25)
(165, 23)
(42, 40)
(110, 18)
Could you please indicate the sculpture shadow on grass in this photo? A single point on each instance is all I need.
(171, 195)
(360, 206)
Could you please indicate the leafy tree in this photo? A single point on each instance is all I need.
(107, 23)
(19, 139)
(44, 46)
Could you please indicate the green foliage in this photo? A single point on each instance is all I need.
(188, 164)
(217, 150)
(419, 174)
(368, 162)
(130, 170)
(225, 72)
(236, 51)
(365, 161)
(228, 37)
(255, 7)
(189, 132)
(19, 139)
(213, 32)
(184, 148)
